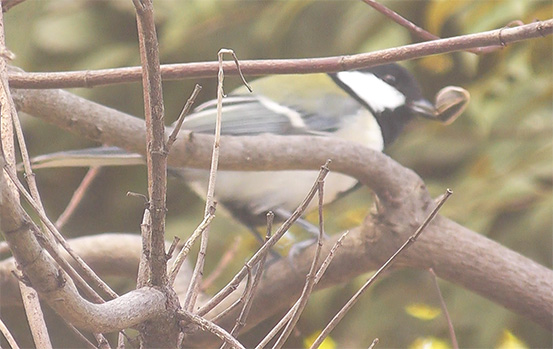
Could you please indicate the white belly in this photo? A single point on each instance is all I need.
(267, 190)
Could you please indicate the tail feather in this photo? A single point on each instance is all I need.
(90, 157)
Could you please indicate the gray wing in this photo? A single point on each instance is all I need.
(251, 115)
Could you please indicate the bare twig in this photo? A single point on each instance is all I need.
(340, 315)
(310, 277)
(454, 343)
(195, 283)
(6, 54)
(8, 4)
(207, 325)
(179, 260)
(102, 341)
(120, 341)
(81, 336)
(248, 297)
(8, 124)
(92, 78)
(225, 260)
(418, 31)
(77, 197)
(322, 269)
(173, 246)
(35, 316)
(145, 230)
(231, 286)
(9, 338)
(374, 343)
(185, 110)
(156, 156)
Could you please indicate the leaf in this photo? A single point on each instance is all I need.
(509, 341)
(422, 311)
(429, 343)
(328, 342)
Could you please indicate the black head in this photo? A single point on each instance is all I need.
(390, 92)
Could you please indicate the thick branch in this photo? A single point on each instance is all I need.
(101, 252)
(108, 126)
(455, 253)
(90, 78)
(57, 289)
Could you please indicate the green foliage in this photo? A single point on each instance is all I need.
(497, 158)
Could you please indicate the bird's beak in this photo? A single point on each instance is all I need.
(423, 108)
(451, 101)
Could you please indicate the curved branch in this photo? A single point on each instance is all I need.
(101, 252)
(454, 252)
(91, 78)
(57, 289)
(109, 126)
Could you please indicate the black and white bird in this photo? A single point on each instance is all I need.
(369, 107)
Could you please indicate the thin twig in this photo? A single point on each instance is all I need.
(9, 123)
(374, 343)
(77, 197)
(454, 343)
(340, 315)
(120, 341)
(248, 299)
(53, 250)
(239, 301)
(322, 269)
(7, 54)
(418, 31)
(185, 110)
(9, 338)
(91, 78)
(173, 246)
(225, 260)
(195, 282)
(231, 286)
(145, 230)
(8, 4)
(183, 253)
(35, 316)
(210, 326)
(102, 341)
(309, 279)
(81, 336)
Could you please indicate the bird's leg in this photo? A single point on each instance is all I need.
(308, 227)
(298, 247)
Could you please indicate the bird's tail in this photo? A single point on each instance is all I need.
(90, 157)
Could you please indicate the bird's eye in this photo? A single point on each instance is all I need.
(390, 79)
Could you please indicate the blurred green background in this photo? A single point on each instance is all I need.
(497, 158)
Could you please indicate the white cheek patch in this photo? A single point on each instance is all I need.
(375, 92)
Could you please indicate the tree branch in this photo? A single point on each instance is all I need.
(454, 252)
(57, 289)
(91, 78)
(156, 156)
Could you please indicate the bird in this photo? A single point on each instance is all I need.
(368, 106)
